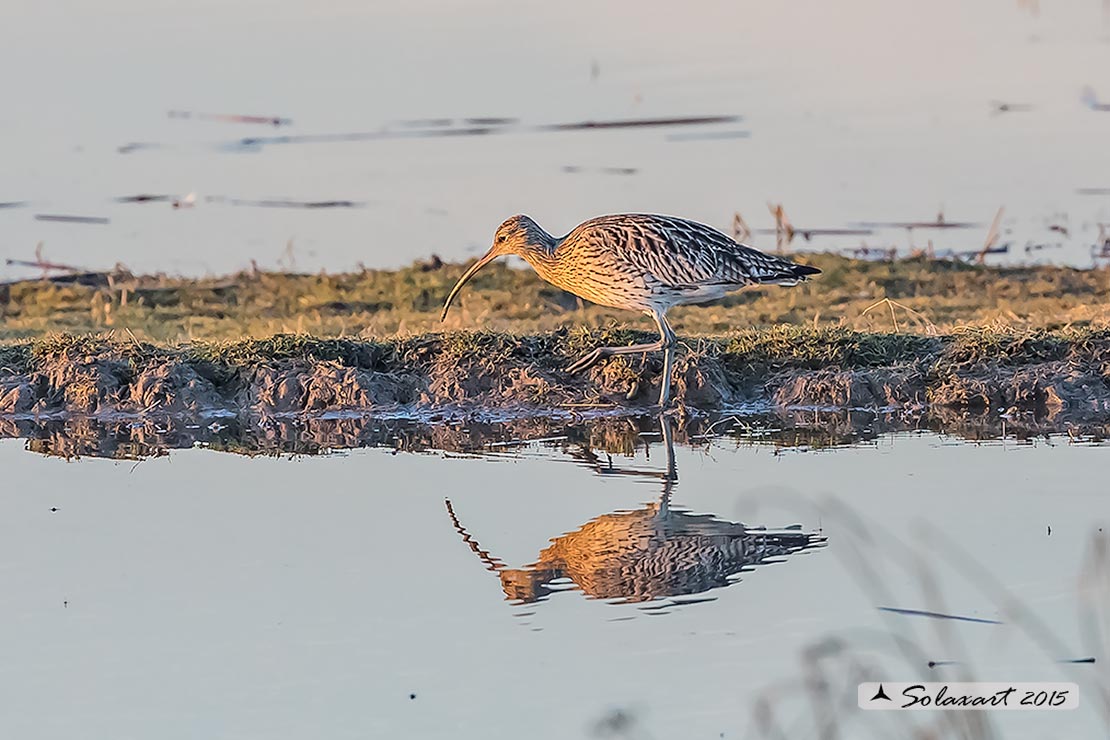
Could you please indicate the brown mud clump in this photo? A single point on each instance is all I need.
(1041, 371)
(868, 388)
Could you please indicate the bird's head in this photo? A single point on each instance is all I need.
(519, 235)
(527, 585)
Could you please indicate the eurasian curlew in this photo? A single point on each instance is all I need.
(638, 262)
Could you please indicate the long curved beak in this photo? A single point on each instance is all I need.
(485, 260)
(492, 563)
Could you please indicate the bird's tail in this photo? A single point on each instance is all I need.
(791, 274)
(771, 543)
(803, 271)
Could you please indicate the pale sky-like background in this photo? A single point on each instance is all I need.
(858, 110)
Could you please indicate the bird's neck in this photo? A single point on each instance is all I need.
(541, 256)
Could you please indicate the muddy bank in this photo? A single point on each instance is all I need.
(1046, 373)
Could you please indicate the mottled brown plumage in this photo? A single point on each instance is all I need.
(651, 553)
(647, 553)
(638, 262)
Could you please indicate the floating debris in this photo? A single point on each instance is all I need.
(136, 146)
(808, 234)
(480, 130)
(936, 615)
(189, 201)
(257, 142)
(426, 122)
(329, 204)
(437, 127)
(785, 231)
(61, 218)
(1101, 250)
(491, 121)
(43, 265)
(999, 107)
(990, 243)
(639, 123)
(1093, 191)
(969, 254)
(939, 663)
(939, 223)
(231, 118)
(72, 275)
(445, 122)
(282, 203)
(1037, 247)
(603, 170)
(13, 204)
(143, 198)
(872, 254)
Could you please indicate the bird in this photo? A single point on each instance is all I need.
(653, 552)
(643, 554)
(637, 262)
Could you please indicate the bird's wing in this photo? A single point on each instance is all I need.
(681, 253)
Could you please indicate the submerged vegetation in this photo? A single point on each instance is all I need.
(914, 296)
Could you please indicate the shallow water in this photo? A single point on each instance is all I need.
(203, 593)
(858, 110)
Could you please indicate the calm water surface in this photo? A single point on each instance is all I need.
(563, 592)
(859, 110)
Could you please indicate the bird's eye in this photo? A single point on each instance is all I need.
(501, 238)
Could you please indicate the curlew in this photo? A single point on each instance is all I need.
(638, 262)
(644, 554)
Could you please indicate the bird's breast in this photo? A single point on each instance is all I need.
(599, 280)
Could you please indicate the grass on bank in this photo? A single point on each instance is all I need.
(746, 352)
(908, 296)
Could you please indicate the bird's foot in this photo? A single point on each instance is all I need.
(587, 361)
(602, 353)
(663, 407)
(674, 409)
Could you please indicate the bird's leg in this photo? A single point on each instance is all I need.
(667, 339)
(666, 428)
(666, 343)
(601, 353)
(668, 370)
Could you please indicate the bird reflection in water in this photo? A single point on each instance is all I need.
(649, 553)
